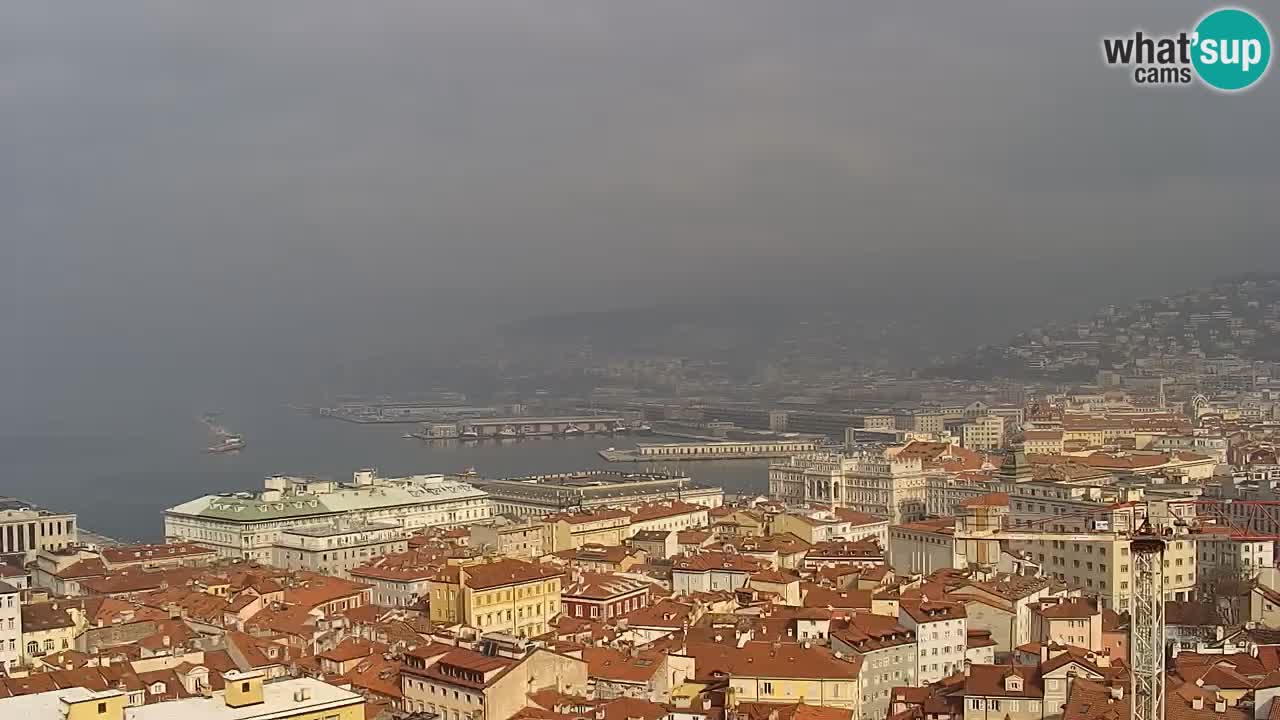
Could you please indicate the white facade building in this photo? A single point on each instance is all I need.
(336, 548)
(941, 638)
(877, 483)
(247, 525)
(1243, 554)
(26, 529)
(10, 626)
(983, 433)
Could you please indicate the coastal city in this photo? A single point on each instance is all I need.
(639, 360)
(1027, 546)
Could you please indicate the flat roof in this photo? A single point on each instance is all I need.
(248, 507)
(277, 702)
(588, 478)
(12, 504)
(332, 530)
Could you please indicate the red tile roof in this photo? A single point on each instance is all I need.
(507, 572)
(654, 511)
(123, 554)
(615, 666)
(993, 681)
(771, 660)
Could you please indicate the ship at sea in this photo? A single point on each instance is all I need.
(229, 443)
(224, 440)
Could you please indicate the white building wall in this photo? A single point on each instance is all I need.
(940, 646)
(10, 626)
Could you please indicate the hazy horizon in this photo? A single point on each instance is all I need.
(243, 196)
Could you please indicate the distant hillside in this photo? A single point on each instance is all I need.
(747, 333)
(1236, 316)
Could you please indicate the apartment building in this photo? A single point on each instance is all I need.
(1042, 442)
(1003, 692)
(784, 672)
(52, 626)
(601, 595)
(461, 684)
(942, 636)
(825, 525)
(246, 525)
(946, 493)
(1067, 621)
(521, 540)
(888, 652)
(1222, 549)
(566, 531)
(712, 572)
(10, 626)
(510, 596)
(983, 433)
(401, 580)
(669, 515)
(1103, 567)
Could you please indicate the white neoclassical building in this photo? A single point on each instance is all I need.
(873, 482)
(247, 525)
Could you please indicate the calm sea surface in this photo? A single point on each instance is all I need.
(121, 469)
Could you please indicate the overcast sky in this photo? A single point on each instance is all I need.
(322, 170)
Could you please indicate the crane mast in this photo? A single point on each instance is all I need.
(1147, 628)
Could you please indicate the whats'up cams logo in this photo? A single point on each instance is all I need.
(1228, 50)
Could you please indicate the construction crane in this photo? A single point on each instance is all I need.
(1146, 626)
(1244, 519)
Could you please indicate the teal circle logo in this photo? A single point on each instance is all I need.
(1232, 49)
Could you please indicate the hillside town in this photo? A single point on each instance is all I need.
(958, 560)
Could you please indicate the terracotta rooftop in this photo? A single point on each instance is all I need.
(507, 572)
(866, 632)
(123, 554)
(996, 499)
(615, 666)
(1075, 608)
(771, 660)
(993, 681)
(797, 711)
(654, 511)
(708, 561)
(925, 611)
(601, 586)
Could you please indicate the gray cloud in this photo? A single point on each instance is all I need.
(184, 175)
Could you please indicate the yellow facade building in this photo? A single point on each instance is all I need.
(510, 596)
(566, 531)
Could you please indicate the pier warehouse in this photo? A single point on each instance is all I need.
(539, 495)
(247, 524)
